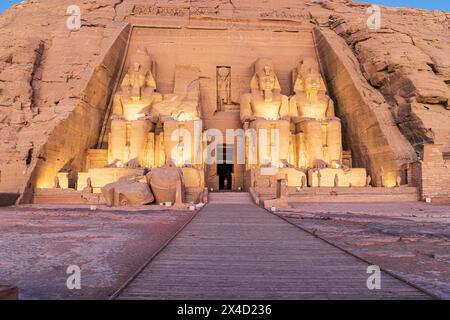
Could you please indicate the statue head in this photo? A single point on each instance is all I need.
(265, 79)
(312, 84)
(139, 74)
(307, 78)
(136, 66)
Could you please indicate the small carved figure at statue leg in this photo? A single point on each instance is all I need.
(88, 188)
(56, 184)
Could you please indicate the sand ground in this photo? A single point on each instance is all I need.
(38, 244)
(411, 240)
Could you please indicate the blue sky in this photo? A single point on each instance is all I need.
(4, 4)
(426, 4)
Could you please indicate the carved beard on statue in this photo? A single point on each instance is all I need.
(267, 84)
(136, 94)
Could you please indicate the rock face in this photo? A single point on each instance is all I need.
(407, 61)
(54, 88)
(391, 85)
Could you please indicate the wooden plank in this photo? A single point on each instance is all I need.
(240, 251)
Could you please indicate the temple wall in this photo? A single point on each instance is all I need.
(80, 120)
(432, 174)
(371, 132)
(209, 48)
(223, 121)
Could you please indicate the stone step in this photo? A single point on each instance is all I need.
(230, 197)
(342, 194)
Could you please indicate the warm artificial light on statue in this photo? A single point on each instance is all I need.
(390, 180)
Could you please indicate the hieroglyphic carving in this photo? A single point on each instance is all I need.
(152, 10)
(282, 14)
(161, 11)
(203, 11)
(223, 86)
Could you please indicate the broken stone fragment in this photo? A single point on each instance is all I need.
(163, 182)
(127, 192)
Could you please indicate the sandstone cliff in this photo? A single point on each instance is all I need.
(55, 84)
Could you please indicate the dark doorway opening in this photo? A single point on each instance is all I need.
(224, 171)
(225, 166)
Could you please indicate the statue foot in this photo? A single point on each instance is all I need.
(320, 164)
(132, 164)
(113, 164)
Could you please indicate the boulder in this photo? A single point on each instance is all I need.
(128, 191)
(163, 182)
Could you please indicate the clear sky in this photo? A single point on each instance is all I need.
(426, 4)
(4, 4)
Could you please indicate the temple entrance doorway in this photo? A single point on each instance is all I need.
(225, 173)
(225, 166)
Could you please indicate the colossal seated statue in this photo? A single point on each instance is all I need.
(130, 121)
(266, 111)
(184, 103)
(265, 100)
(179, 115)
(319, 131)
(312, 112)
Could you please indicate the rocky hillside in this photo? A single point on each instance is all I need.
(408, 61)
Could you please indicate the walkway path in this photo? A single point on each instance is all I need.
(236, 250)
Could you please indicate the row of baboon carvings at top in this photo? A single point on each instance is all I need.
(162, 11)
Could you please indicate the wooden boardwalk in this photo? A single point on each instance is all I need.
(236, 250)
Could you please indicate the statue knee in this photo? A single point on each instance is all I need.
(334, 133)
(118, 123)
(334, 125)
(311, 125)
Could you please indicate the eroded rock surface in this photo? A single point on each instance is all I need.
(407, 61)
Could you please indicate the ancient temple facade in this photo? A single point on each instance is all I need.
(209, 100)
(225, 115)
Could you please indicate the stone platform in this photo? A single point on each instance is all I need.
(67, 196)
(344, 194)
